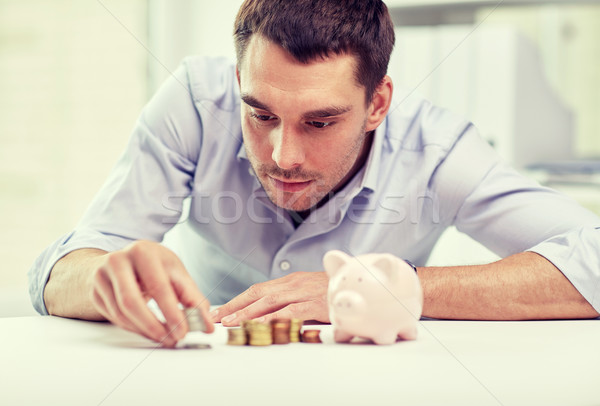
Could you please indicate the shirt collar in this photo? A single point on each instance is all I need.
(241, 154)
(373, 163)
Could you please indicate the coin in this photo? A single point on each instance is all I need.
(247, 324)
(194, 319)
(280, 331)
(295, 326)
(311, 336)
(195, 346)
(258, 334)
(236, 336)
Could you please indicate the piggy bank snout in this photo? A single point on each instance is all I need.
(348, 302)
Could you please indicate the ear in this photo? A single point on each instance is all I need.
(380, 103)
(333, 261)
(237, 74)
(388, 264)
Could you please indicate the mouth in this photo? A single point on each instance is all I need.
(290, 185)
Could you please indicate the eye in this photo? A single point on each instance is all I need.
(319, 124)
(262, 117)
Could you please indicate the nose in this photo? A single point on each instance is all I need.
(288, 151)
(349, 302)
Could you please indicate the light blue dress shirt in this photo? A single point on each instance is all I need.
(427, 169)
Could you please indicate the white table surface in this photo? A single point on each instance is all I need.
(55, 361)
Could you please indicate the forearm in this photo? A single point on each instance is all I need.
(68, 291)
(524, 286)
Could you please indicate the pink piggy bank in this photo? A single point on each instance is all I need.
(373, 296)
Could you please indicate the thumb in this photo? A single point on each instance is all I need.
(189, 296)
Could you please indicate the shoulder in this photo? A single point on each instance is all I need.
(193, 103)
(437, 151)
(212, 79)
(416, 124)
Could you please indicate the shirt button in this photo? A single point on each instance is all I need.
(284, 265)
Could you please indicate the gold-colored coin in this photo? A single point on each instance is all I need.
(260, 341)
(311, 336)
(281, 331)
(295, 326)
(259, 334)
(236, 336)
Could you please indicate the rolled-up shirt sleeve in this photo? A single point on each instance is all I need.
(576, 253)
(143, 195)
(510, 213)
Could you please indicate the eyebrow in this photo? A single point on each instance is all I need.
(254, 102)
(330, 111)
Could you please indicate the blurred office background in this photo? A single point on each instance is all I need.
(74, 75)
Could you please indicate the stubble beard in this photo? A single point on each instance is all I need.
(319, 191)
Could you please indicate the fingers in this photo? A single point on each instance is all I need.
(267, 304)
(190, 296)
(155, 281)
(258, 300)
(128, 278)
(298, 310)
(263, 312)
(102, 299)
(117, 285)
(227, 315)
(298, 295)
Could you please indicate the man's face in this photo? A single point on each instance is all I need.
(303, 124)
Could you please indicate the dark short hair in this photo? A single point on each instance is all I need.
(309, 29)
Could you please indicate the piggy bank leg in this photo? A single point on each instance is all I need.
(410, 334)
(341, 337)
(385, 338)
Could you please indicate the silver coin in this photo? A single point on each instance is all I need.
(195, 346)
(194, 319)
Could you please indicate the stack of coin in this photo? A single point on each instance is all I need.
(281, 331)
(311, 336)
(237, 336)
(194, 319)
(247, 327)
(259, 333)
(295, 326)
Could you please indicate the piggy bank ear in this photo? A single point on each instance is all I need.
(388, 264)
(333, 261)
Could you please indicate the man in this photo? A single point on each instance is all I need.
(299, 149)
